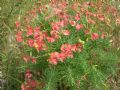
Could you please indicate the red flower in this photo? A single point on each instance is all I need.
(74, 48)
(54, 34)
(23, 86)
(79, 26)
(29, 31)
(53, 61)
(77, 17)
(62, 23)
(94, 36)
(67, 50)
(36, 32)
(32, 83)
(55, 27)
(30, 42)
(54, 56)
(66, 32)
(39, 45)
(72, 23)
(62, 56)
(50, 39)
(19, 37)
(66, 47)
(28, 74)
(33, 60)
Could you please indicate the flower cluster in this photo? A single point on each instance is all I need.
(29, 84)
(66, 52)
(38, 37)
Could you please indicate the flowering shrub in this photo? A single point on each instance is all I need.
(65, 45)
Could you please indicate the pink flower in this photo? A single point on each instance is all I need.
(66, 32)
(79, 26)
(32, 83)
(33, 60)
(53, 61)
(77, 17)
(23, 87)
(29, 31)
(55, 27)
(54, 34)
(66, 47)
(54, 56)
(72, 23)
(94, 36)
(50, 39)
(36, 32)
(19, 37)
(62, 23)
(74, 48)
(30, 42)
(28, 74)
(62, 56)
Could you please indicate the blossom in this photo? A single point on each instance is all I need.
(32, 83)
(54, 34)
(77, 17)
(62, 56)
(66, 32)
(33, 60)
(30, 42)
(19, 37)
(36, 32)
(28, 74)
(65, 47)
(29, 31)
(72, 23)
(53, 58)
(79, 26)
(53, 61)
(74, 48)
(50, 39)
(94, 36)
(55, 27)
